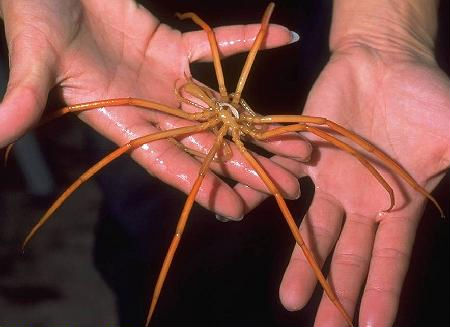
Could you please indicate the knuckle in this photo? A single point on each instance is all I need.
(350, 260)
(390, 253)
(320, 229)
(380, 290)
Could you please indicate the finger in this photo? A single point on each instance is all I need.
(166, 161)
(236, 167)
(250, 197)
(29, 82)
(348, 269)
(235, 39)
(388, 267)
(175, 167)
(253, 198)
(295, 167)
(320, 229)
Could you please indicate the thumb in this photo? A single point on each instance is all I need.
(236, 39)
(30, 80)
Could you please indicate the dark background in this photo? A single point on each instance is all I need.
(229, 274)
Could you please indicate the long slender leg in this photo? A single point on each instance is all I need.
(184, 100)
(226, 152)
(252, 53)
(106, 160)
(389, 162)
(201, 116)
(214, 49)
(182, 147)
(293, 227)
(344, 146)
(336, 142)
(123, 102)
(205, 89)
(182, 222)
(220, 157)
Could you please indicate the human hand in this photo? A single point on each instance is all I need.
(91, 50)
(397, 98)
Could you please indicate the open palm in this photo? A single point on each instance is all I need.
(93, 50)
(404, 110)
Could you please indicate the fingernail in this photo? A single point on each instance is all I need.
(304, 159)
(308, 157)
(227, 219)
(294, 37)
(295, 197)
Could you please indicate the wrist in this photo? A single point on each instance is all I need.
(394, 27)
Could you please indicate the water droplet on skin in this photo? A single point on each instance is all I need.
(242, 165)
(198, 145)
(183, 177)
(122, 127)
(382, 214)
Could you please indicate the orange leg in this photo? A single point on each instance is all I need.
(214, 50)
(293, 227)
(142, 103)
(187, 101)
(201, 116)
(182, 222)
(338, 143)
(220, 157)
(389, 162)
(344, 146)
(252, 53)
(109, 158)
